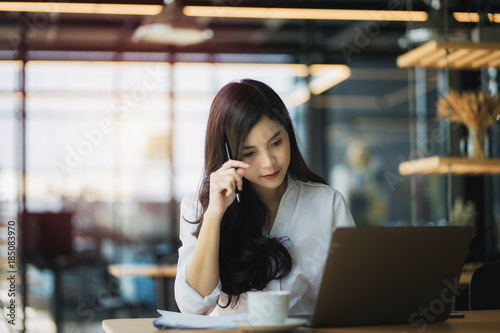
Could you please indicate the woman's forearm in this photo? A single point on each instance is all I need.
(202, 271)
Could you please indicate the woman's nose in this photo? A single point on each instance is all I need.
(268, 160)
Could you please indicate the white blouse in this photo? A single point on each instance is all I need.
(307, 215)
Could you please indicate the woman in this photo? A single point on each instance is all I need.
(277, 236)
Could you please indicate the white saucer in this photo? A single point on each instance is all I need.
(289, 324)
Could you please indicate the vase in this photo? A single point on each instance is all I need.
(477, 144)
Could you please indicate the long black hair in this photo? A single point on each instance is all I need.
(248, 260)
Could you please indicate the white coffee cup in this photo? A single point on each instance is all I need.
(267, 308)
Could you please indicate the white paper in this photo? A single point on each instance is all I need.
(171, 319)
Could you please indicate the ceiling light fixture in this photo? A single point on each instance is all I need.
(171, 27)
(298, 97)
(81, 8)
(326, 76)
(162, 33)
(465, 17)
(304, 13)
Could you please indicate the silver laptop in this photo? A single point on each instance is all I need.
(396, 275)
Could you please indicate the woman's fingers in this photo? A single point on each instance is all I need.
(235, 164)
(227, 183)
(228, 177)
(232, 180)
(237, 170)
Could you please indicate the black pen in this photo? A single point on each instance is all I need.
(230, 157)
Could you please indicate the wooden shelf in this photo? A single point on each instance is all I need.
(461, 55)
(455, 165)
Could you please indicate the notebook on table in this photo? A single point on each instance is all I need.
(397, 275)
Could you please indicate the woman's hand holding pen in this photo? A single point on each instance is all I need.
(223, 183)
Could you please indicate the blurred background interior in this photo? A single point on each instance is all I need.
(102, 120)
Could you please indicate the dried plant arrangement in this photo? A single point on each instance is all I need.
(476, 110)
(473, 109)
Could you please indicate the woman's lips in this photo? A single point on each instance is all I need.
(272, 175)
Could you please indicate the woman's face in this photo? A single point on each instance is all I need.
(267, 151)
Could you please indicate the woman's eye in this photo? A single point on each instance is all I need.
(276, 143)
(250, 154)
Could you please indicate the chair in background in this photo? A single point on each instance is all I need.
(484, 287)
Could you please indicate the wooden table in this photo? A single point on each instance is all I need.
(473, 322)
(163, 275)
(143, 270)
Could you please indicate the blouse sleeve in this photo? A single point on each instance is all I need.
(188, 300)
(342, 216)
